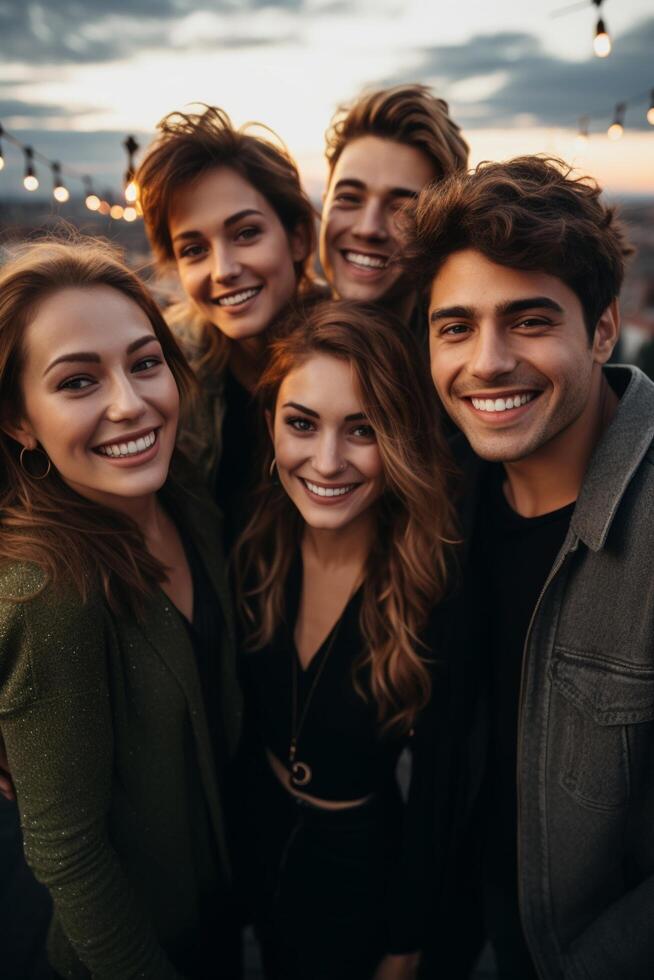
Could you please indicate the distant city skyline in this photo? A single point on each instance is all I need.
(516, 78)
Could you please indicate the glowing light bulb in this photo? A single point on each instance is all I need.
(2, 162)
(61, 194)
(104, 207)
(650, 111)
(30, 182)
(131, 192)
(92, 202)
(129, 214)
(601, 41)
(116, 212)
(615, 131)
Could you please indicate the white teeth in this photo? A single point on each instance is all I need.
(368, 261)
(329, 491)
(502, 404)
(237, 298)
(130, 448)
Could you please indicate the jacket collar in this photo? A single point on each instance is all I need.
(616, 457)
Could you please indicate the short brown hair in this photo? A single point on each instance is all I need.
(530, 213)
(408, 114)
(72, 539)
(189, 144)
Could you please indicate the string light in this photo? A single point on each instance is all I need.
(116, 211)
(130, 214)
(131, 190)
(616, 129)
(582, 135)
(601, 41)
(30, 180)
(60, 191)
(650, 111)
(91, 199)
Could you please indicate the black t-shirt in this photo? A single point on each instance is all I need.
(513, 556)
(236, 474)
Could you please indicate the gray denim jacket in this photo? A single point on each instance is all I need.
(586, 728)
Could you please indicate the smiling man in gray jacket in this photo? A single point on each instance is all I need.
(524, 264)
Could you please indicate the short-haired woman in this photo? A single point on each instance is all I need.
(225, 208)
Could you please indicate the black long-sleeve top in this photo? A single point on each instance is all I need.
(350, 757)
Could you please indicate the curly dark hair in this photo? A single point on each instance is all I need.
(529, 213)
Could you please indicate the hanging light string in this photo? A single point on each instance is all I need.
(617, 125)
(62, 174)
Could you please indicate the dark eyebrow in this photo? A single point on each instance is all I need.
(88, 357)
(228, 222)
(302, 408)
(465, 312)
(509, 308)
(359, 185)
(355, 417)
(529, 303)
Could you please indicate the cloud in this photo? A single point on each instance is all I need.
(79, 32)
(530, 83)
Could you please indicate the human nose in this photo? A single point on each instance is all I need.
(328, 459)
(371, 221)
(225, 266)
(125, 402)
(492, 354)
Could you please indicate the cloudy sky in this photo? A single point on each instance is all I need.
(77, 75)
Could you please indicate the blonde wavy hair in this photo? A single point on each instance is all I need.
(409, 565)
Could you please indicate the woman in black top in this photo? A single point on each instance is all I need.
(339, 573)
(226, 209)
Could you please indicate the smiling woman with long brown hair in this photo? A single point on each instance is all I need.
(118, 702)
(340, 574)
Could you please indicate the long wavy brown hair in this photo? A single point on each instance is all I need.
(408, 567)
(43, 521)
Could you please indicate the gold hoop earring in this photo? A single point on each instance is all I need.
(271, 469)
(21, 460)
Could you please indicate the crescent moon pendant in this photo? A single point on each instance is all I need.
(300, 774)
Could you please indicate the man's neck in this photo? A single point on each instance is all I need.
(551, 477)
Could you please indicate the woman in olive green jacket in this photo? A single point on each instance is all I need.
(118, 700)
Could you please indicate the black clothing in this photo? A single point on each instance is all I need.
(203, 633)
(322, 880)
(385, 849)
(513, 556)
(340, 737)
(236, 473)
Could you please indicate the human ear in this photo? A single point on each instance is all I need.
(607, 332)
(21, 432)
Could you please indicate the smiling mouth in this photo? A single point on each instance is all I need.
(237, 299)
(341, 490)
(499, 405)
(364, 260)
(129, 448)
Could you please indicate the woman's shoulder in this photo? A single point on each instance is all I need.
(50, 638)
(20, 580)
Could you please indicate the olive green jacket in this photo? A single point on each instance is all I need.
(108, 743)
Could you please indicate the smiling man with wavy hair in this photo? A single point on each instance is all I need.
(523, 264)
(381, 151)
